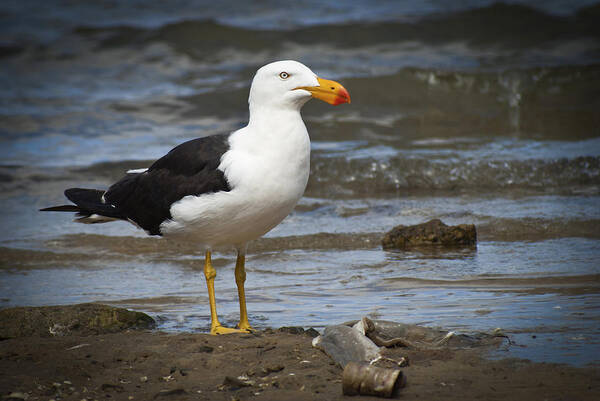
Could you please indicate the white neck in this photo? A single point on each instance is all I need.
(275, 143)
(269, 119)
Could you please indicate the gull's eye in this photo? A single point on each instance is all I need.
(284, 75)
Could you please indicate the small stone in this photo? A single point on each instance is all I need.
(240, 381)
(16, 396)
(291, 330)
(143, 379)
(168, 393)
(403, 362)
(311, 332)
(275, 368)
(265, 371)
(112, 387)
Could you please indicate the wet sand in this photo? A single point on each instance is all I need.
(273, 365)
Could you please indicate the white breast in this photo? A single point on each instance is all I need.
(267, 170)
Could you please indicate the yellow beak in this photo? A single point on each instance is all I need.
(328, 91)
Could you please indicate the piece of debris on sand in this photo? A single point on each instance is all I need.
(363, 341)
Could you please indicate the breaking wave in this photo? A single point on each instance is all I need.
(370, 176)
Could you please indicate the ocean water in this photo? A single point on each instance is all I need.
(470, 111)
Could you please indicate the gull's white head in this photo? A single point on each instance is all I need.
(289, 84)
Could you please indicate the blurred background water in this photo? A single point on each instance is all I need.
(469, 111)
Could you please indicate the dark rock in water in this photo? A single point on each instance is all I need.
(434, 232)
(81, 319)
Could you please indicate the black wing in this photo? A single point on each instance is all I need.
(146, 198)
(188, 169)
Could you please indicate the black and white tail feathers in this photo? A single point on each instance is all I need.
(89, 206)
(145, 197)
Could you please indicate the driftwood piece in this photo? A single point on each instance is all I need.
(393, 334)
(360, 341)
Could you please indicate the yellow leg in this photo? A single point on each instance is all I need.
(240, 278)
(210, 273)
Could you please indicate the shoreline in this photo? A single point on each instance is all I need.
(282, 364)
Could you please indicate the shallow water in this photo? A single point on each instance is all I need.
(453, 117)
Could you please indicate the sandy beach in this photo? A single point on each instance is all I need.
(271, 364)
